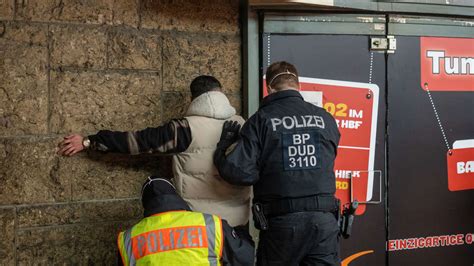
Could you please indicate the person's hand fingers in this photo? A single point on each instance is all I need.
(61, 143)
(73, 152)
(64, 142)
(227, 125)
(64, 149)
(235, 126)
(69, 136)
(232, 125)
(69, 151)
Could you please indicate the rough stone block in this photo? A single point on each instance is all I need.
(24, 33)
(79, 212)
(189, 15)
(85, 244)
(126, 12)
(88, 11)
(42, 10)
(186, 57)
(6, 9)
(78, 46)
(134, 50)
(90, 101)
(175, 105)
(28, 172)
(110, 176)
(7, 239)
(92, 12)
(23, 80)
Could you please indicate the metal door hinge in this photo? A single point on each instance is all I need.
(388, 44)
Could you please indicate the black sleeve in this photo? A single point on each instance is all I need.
(239, 248)
(240, 166)
(172, 137)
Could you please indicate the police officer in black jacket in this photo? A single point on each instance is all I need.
(286, 151)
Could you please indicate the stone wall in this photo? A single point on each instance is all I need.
(81, 66)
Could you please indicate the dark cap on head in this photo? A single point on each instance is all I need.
(203, 84)
(159, 195)
(281, 75)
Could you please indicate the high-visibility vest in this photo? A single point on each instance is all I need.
(173, 238)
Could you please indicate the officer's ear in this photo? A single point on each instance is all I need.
(270, 90)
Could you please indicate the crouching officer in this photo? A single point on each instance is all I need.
(287, 151)
(171, 234)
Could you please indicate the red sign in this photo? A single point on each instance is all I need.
(355, 107)
(447, 64)
(461, 166)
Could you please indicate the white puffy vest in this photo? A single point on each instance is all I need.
(195, 176)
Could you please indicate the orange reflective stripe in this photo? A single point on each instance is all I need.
(169, 239)
(222, 239)
(161, 213)
(121, 248)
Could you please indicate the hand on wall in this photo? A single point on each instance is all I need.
(71, 145)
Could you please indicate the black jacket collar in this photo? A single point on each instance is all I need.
(280, 95)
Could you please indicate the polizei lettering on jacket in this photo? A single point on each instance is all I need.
(169, 239)
(297, 121)
(452, 65)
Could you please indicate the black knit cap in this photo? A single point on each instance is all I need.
(159, 195)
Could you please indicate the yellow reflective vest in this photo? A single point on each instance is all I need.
(173, 238)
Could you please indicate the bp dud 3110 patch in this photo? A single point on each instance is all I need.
(301, 150)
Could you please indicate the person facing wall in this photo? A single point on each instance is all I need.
(191, 141)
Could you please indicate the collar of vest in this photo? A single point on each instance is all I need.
(280, 95)
(164, 203)
(213, 104)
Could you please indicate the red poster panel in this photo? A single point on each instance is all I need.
(461, 165)
(447, 64)
(355, 107)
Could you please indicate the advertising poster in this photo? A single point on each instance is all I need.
(431, 151)
(409, 116)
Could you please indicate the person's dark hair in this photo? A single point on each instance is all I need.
(281, 75)
(203, 84)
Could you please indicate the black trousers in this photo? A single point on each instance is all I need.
(301, 238)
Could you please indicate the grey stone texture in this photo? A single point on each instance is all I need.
(7, 233)
(134, 50)
(189, 15)
(6, 9)
(190, 55)
(79, 213)
(117, 12)
(23, 80)
(76, 46)
(27, 172)
(175, 104)
(79, 66)
(87, 101)
(83, 244)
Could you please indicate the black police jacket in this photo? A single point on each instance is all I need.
(286, 150)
